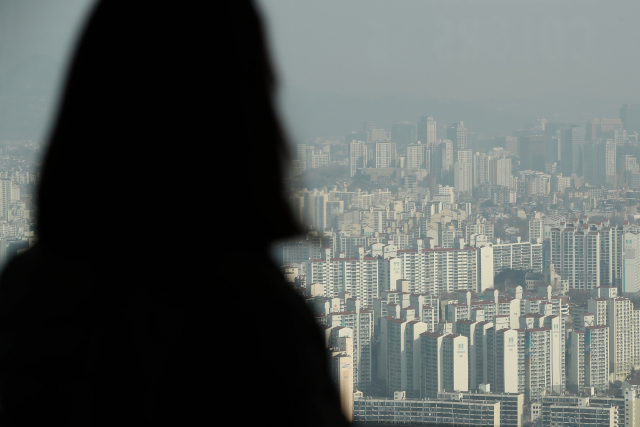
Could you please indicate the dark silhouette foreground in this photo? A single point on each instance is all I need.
(146, 231)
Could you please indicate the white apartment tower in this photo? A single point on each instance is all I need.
(503, 372)
(631, 262)
(432, 364)
(622, 338)
(455, 363)
(439, 270)
(427, 131)
(536, 358)
(385, 154)
(575, 253)
(597, 357)
(588, 364)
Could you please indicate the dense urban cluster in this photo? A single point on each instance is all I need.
(475, 281)
(19, 175)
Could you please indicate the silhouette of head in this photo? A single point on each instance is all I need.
(165, 136)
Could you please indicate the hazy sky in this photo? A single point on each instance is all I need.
(457, 49)
(496, 64)
(36, 40)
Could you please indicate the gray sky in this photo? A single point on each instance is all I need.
(457, 49)
(515, 61)
(36, 40)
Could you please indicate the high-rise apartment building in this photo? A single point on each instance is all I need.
(439, 270)
(503, 359)
(342, 375)
(500, 171)
(385, 154)
(597, 357)
(631, 262)
(5, 197)
(360, 321)
(415, 156)
(444, 363)
(524, 256)
(315, 210)
(556, 377)
(359, 276)
(611, 249)
(575, 253)
(622, 338)
(463, 171)
(357, 156)
(536, 358)
(481, 173)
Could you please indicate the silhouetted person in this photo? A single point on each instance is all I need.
(161, 192)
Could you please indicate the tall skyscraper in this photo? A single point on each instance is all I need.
(571, 151)
(442, 161)
(457, 133)
(427, 131)
(630, 116)
(600, 162)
